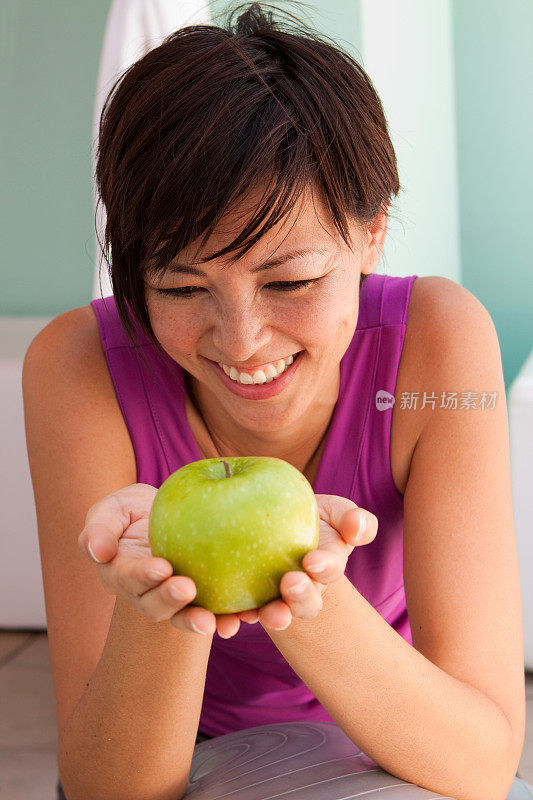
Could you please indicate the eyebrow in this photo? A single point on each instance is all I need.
(272, 262)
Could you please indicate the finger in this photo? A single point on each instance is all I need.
(131, 575)
(195, 619)
(368, 528)
(339, 513)
(299, 593)
(227, 625)
(107, 520)
(250, 616)
(167, 598)
(344, 516)
(275, 615)
(96, 543)
(327, 563)
(324, 566)
(357, 526)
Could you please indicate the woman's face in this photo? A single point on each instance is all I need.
(239, 315)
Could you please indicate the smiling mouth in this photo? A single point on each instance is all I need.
(260, 376)
(251, 369)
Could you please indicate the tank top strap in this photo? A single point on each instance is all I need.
(151, 394)
(395, 299)
(112, 332)
(383, 300)
(389, 307)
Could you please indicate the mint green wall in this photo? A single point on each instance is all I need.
(494, 75)
(49, 57)
(339, 19)
(50, 53)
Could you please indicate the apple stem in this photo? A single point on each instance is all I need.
(227, 468)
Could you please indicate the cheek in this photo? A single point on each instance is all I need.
(176, 330)
(333, 316)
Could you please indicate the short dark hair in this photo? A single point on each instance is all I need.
(192, 126)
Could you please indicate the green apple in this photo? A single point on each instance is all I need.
(235, 526)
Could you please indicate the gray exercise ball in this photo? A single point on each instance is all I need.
(292, 760)
(299, 761)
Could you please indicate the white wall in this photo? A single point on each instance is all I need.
(407, 50)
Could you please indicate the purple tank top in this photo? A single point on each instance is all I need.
(248, 682)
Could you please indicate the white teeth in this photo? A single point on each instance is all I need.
(270, 371)
(266, 375)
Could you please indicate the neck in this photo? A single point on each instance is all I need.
(301, 445)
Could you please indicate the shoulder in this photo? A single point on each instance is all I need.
(70, 341)
(66, 359)
(68, 332)
(65, 376)
(437, 302)
(450, 347)
(454, 332)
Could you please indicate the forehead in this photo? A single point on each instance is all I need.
(306, 225)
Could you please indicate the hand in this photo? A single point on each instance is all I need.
(116, 537)
(343, 526)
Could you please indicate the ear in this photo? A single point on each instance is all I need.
(376, 231)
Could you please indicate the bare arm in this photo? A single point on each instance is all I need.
(133, 732)
(128, 684)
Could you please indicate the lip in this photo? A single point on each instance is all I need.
(252, 369)
(259, 391)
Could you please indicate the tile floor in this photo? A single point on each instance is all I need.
(28, 722)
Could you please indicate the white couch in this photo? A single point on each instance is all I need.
(21, 584)
(520, 408)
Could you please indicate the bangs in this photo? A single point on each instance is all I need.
(294, 173)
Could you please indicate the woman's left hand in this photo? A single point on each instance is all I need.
(343, 526)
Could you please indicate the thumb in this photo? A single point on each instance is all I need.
(355, 524)
(98, 543)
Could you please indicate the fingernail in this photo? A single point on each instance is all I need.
(156, 574)
(362, 527)
(197, 630)
(299, 588)
(316, 569)
(282, 629)
(89, 548)
(176, 592)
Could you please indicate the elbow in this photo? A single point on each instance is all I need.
(508, 763)
(80, 788)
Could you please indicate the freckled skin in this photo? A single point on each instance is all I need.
(237, 317)
(267, 503)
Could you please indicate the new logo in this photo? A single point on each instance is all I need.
(384, 400)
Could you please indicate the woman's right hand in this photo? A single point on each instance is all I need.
(115, 536)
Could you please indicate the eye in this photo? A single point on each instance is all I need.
(291, 286)
(280, 286)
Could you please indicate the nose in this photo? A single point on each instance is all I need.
(241, 331)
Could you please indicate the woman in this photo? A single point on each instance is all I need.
(247, 174)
